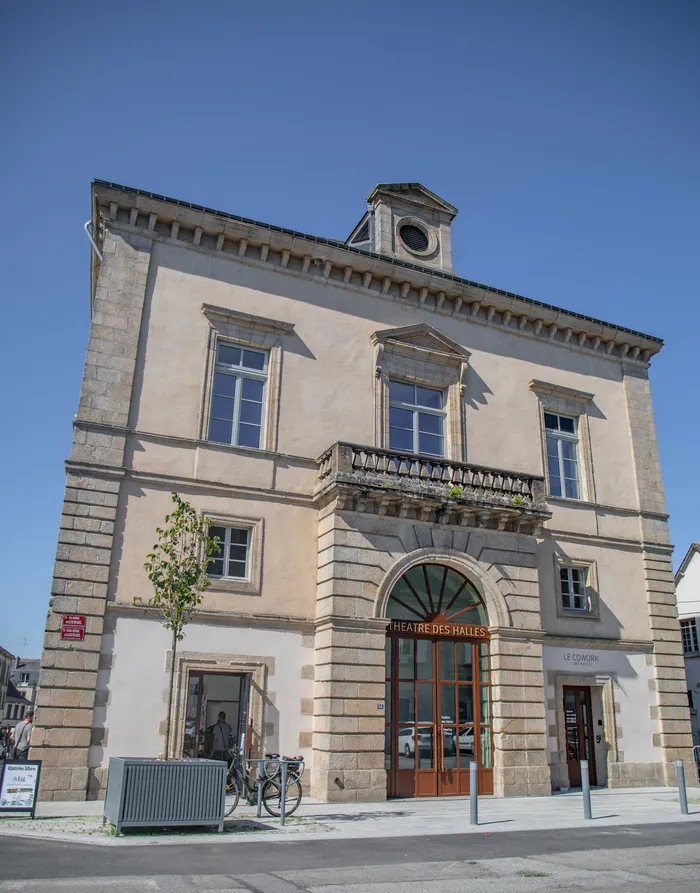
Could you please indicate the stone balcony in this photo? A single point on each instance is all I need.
(407, 486)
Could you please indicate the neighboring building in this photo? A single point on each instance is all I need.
(16, 705)
(443, 522)
(25, 675)
(6, 660)
(688, 595)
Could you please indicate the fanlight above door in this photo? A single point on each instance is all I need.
(433, 592)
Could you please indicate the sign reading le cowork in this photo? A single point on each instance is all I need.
(451, 630)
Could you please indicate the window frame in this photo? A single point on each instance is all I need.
(690, 625)
(589, 572)
(560, 436)
(248, 332)
(226, 554)
(240, 373)
(571, 595)
(252, 585)
(559, 400)
(416, 409)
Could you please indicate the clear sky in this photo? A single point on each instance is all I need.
(567, 133)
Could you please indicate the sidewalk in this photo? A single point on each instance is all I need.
(82, 822)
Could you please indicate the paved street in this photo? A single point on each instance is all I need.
(623, 859)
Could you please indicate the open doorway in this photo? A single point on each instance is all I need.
(209, 694)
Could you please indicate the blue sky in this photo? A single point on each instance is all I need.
(566, 133)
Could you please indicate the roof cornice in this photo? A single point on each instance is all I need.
(240, 238)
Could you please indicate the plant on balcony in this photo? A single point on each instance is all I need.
(177, 568)
(456, 491)
(517, 500)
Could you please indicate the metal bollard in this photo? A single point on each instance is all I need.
(283, 792)
(682, 793)
(586, 786)
(473, 793)
(261, 776)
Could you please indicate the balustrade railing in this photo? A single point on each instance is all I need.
(349, 458)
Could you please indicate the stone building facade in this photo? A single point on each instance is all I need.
(441, 508)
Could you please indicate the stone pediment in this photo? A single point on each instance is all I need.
(422, 337)
(416, 194)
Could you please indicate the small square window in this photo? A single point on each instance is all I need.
(573, 589)
(232, 557)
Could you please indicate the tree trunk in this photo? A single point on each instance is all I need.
(170, 697)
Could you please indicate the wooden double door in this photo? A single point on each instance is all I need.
(578, 724)
(438, 716)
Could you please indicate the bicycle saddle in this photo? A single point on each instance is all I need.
(272, 756)
(294, 759)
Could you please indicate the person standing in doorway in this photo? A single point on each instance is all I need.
(222, 732)
(23, 736)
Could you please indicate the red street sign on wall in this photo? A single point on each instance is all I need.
(73, 627)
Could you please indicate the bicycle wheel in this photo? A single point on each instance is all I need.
(271, 797)
(232, 795)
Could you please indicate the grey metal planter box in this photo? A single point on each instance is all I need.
(145, 792)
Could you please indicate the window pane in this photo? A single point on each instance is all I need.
(218, 533)
(424, 661)
(387, 747)
(429, 424)
(407, 747)
(400, 418)
(406, 706)
(251, 412)
(425, 702)
(220, 431)
(567, 425)
(483, 661)
(447, 660)
(400, 439)
(565, 583)
(406, 647)
(570, 469)
(571, 489)
(552, 447)
(249, 435)
(486, 748)
(577, 579)
(580, 602)
(424, 746)
(568, 449)
(224, 385)
(238, 553)
(551, 421)
(485, 707)
(252, 389)
(253, 359)
(400, 392)
(466, 703)
(239, 535)
(464, 661)
(429, 397)
(216, 567)
(222, 408)
(228, 355)
(236, 569)
(430, 444)
(447, 703)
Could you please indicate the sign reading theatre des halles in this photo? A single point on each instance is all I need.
(453, 630)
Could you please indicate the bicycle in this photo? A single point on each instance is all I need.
(239, 781)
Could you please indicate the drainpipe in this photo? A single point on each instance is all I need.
(88, 233)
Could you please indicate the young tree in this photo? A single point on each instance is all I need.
(177, 568)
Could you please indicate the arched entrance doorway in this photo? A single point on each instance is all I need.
(438, 704)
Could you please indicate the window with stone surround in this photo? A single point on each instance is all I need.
(566, 444)
(420, 377)
(576, 586)
(689, 632)
(242, 382)
(237, 565)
